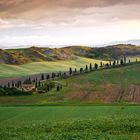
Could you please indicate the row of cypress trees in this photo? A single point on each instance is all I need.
(71, 72)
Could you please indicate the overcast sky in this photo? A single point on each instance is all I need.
(62, 22)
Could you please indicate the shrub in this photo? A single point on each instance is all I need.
(12, 91)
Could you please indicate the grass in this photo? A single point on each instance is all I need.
(70, 123)
(78, 117)
(21, 114)
(7, 71)
(101, 87)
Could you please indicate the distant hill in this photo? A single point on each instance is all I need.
(133, 42)
(35, 54)
(115, 52)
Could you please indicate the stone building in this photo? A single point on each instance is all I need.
(28, 86)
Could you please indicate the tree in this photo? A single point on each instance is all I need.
(8, 84)
(117, 62)
(36, 84)
(129, 60)
(86, 69)
(18, 84)
(81, 70)
(121, 62)
(96, 66)
(57, 88)
(75, 71)
(70, 71)
(124, 58)
(110, 63)
(106, 64)
(53, 75)
(101, 64)
(136, 60)
(29, 79)
(90, 67)
(114, 63)
(48, 77)
(36, 79)
(13, 84)
(42, 76)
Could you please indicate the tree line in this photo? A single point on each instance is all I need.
(41, 86)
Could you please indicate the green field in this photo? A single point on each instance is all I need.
(7, 71)
(70, 122)
(97, 87)
(43, 67)
(90, 106)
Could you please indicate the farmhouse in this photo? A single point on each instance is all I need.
(28, 86)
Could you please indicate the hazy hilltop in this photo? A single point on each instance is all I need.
(35, 54)
(115, 51)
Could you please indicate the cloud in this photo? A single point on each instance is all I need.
(56, 17)
(12, 8)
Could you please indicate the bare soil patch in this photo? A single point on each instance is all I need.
(108, 93)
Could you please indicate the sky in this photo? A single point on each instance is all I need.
(68, 22)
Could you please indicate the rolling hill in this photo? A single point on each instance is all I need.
(35, 54)
(116, 85)
(8, 71)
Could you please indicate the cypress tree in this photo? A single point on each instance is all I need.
(75, 71)
(8, 85)
(81, 70)
(36, 79)
(110, 63)
(36, 84)
(29, 79)
(13, 84)
(42, 76)
(57, 88)
(48, 77)
(117, 62)
(90, 67)
(96, 66)
(106, 64)
(58, 75)
(114, 63)
(121, 61)
(70, 71)
(53, 75)
(101, 64)
(124, 59)
(86, 69)
(17, 84)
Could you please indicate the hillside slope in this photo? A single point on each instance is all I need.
(116, 85)
(115, 52)
(34, 54)
(8, 71)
